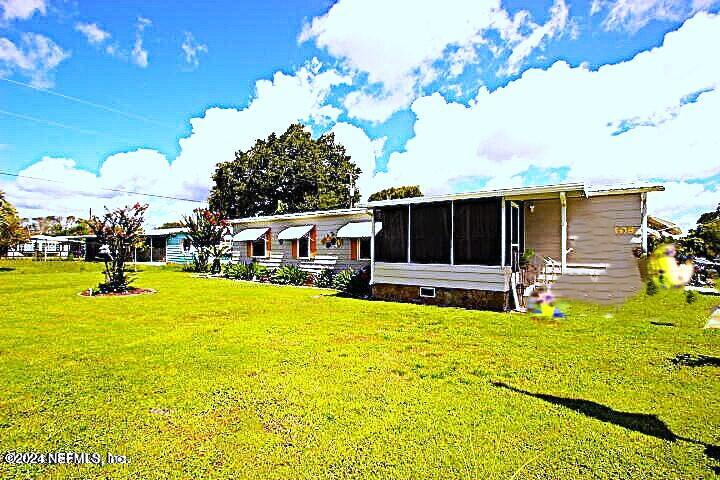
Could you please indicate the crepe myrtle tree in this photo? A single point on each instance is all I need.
(118, 231)
(206, 230)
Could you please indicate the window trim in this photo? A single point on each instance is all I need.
(299, 256)
(359, 248)
(252, 247)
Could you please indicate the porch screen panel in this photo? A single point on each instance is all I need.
(477, 232)
(391, 241)
(430, 226)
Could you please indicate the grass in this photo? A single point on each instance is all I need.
(218, 379)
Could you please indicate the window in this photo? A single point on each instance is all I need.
(303, 247)
(258, 247)
(477, 232)
(430, 233)
(364, 248)
(391, 241)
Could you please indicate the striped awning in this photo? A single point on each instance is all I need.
(250, 234)
(293, 233)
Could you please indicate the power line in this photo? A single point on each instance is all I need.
(59, 125)
(9, 174)
(87, 102)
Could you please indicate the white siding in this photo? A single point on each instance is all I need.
(324, 225)
(591, 235)
(471, 277)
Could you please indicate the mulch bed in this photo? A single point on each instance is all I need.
(130, 293)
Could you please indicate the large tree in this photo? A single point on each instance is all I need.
(288, 173)
(12, 231)
(394, 193)
(704, 239)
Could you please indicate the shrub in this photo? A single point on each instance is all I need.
(289, 275)
(324, 279)
(690, 296)
(354, 283)
(651, 288)
(342, 280)
(244, 271)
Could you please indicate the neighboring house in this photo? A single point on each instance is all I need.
(661, 229)
(330, 239)
(51, 246)
(171, 245)
(466, 249)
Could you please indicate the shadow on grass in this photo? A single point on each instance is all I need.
(663, 324)
(643, 423)
(6, 269)
(688, 360)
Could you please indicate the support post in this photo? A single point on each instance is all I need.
(151, 249)
(644, 223)
(372, 248)
(563, 233)
(409, 224)
(502, 231)
(452, 232)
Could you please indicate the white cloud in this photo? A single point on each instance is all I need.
(683, 202)
(94, 34)
(21, 9)
(139, 55)
(397, 44)
(215, 137)
(363, 150)
(192, 50)
(632, 15)
(35, 58)
(555, 26)
(637, 120)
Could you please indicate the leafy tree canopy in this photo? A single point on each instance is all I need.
(288, 173)
(394, 193)
(171, 225)
(704, 239)
(12, 231)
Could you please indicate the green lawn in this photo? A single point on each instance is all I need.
(212, 378)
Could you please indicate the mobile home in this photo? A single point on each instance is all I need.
(330, 239)
(472, 249)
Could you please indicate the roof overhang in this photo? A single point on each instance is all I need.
(293, 233)
(528, 193)
(358, 230)
(303, 215)
(249, 234)
(504, 192)
(623, 189)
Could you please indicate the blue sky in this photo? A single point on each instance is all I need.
(497, 93)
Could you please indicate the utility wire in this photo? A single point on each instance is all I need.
(56, 124)
(9, 174)
(86, 102)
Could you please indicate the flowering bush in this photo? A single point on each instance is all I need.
(118, 231)
(206, 230)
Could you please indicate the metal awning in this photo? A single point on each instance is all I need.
(358, 230)
(293, 233)
(250, 234)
